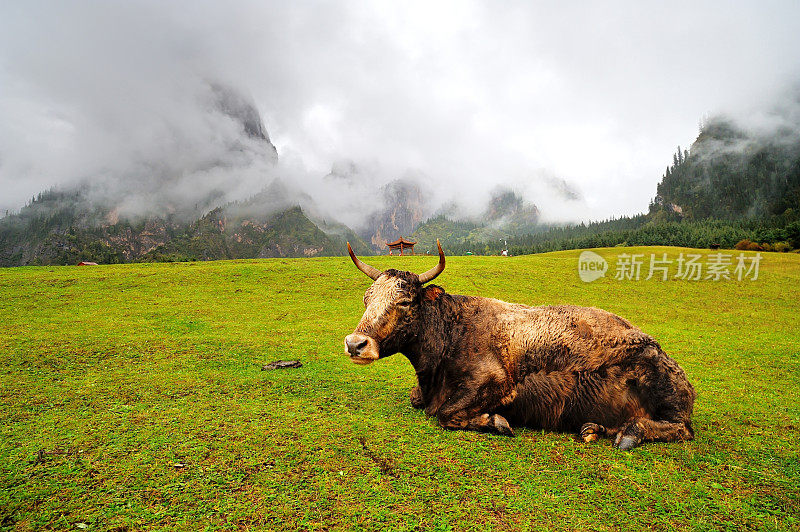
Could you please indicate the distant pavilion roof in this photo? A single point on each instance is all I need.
(401, 240)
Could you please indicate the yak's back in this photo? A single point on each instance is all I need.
(560, 337)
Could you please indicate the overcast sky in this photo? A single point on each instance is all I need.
(467, 94)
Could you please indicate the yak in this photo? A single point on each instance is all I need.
(486, 365)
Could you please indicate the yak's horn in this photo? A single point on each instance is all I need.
(431, 274)
(372, 273)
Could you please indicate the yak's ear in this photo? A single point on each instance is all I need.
(432, 292)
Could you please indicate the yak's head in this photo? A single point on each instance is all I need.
(392, 308)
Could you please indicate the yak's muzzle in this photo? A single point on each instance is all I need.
(361, 348)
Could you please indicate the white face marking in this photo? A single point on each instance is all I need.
(380, 297)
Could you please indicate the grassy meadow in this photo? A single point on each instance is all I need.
(132, 397)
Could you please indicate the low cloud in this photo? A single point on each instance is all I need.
(576, 108)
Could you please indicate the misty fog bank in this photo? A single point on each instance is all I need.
(179, 107)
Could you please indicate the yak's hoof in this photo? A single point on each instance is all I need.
(629, 437)
(591, 432)
(501, 426)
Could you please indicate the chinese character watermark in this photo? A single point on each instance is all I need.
(659, 265)
(687, 266)
(628, 267)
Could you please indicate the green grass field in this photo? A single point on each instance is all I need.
(132, 397)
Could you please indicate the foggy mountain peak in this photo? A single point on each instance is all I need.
(243, 110)
(563, 189)
(344, 170)
(189, 164)
(507, 205)
(774, 127)
(739, 166)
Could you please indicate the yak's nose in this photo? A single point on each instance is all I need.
(355, 343)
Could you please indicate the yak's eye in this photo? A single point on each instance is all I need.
(404, 303)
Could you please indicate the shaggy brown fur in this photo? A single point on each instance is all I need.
(484, 364)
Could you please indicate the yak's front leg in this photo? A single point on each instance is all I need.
(417, 399)
(464, 409)
(481, 423)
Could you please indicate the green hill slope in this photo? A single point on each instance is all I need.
(60, 227)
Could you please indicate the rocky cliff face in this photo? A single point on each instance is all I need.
(224, 234)
(54, 231)
(134, 242)
(404, 208)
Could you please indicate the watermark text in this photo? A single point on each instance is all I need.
(686, 266)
